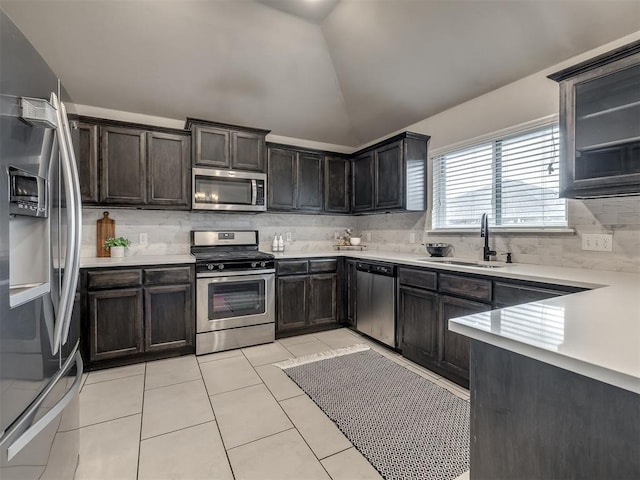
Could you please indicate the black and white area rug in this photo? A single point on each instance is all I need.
(406, 426)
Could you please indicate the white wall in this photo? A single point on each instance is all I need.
(520, 102)
(528, 99)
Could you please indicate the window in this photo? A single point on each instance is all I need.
(514, 179)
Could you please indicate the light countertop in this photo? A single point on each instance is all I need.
(135, 260)
(595, 333)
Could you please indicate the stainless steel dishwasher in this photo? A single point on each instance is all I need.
(376, 301)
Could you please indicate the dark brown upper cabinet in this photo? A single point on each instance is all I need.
(123, 166)
(220, 145)
(391, 175)
(362, 182)
(295, 179)
(600, 125)
(168, 169)
(337, 182)
(133, 165)
(87, 159)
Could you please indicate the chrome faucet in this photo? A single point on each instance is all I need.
(484, 232)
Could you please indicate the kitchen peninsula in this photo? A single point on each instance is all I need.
(555, 385)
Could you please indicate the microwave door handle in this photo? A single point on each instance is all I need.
(70, 247)
(77, 221)
(254, 192)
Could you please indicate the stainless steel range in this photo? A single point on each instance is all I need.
(235, 290)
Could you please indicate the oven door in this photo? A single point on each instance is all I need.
(234, 300)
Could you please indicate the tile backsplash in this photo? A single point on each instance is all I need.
(168, 233)
(617, 216)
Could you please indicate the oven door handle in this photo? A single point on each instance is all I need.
(234, 275)
(220, 278)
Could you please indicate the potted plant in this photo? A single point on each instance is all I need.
(116, 246)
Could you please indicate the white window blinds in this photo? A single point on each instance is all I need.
(514, 179)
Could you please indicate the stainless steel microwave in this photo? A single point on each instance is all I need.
(228, 190)
(28, 194)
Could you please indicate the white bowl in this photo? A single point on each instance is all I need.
(355, 241)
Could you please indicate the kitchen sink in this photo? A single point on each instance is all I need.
(465, 263)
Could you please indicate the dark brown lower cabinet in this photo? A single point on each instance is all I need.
(291, 302)
(306, 301)
(418, 334)
(135, 314)
(164, 306)
(115, 323)
(454, 348)
(322, 298)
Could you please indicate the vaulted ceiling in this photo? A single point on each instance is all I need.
(343, 72)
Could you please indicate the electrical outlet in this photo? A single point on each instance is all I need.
(143, 239)
(288, 235)
(599, 242)
(336, 235)
(412, 237)
(368, 236)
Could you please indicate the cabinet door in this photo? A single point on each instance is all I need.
(362, 183)
(291, 306)
(322, 298)
(310, 182)
(282, 179)
(418, 325)
(168, 165)
(247, 151)
(454, 348)
(336, 185)
(168, 318)
(123, 166)
(600, 130)
(115, 323)
(87, 159)
(389, 179)
(212, 147)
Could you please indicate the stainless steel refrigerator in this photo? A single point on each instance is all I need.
(40, 367)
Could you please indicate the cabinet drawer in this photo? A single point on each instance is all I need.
(99, 279)
(469, 287)
(292, 267)
(167, 276)
(509, 294)
(324, 265)
(418, 278)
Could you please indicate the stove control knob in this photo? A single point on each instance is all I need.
(263, 264)
(209, 266)
(254, 264)
(220, 266)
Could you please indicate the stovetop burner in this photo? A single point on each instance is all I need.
(212, 256)
(216, 251)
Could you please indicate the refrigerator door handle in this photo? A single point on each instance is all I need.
(65, 291)
(33, 431)
(77, 220)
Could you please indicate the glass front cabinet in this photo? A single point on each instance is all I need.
(600, 125)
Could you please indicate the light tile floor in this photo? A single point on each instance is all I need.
(228, 415)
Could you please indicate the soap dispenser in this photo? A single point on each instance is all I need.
(274, 244)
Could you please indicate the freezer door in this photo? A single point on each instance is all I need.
(44, 441)
(27, 362)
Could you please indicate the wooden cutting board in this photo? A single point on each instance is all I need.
(106, 228)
